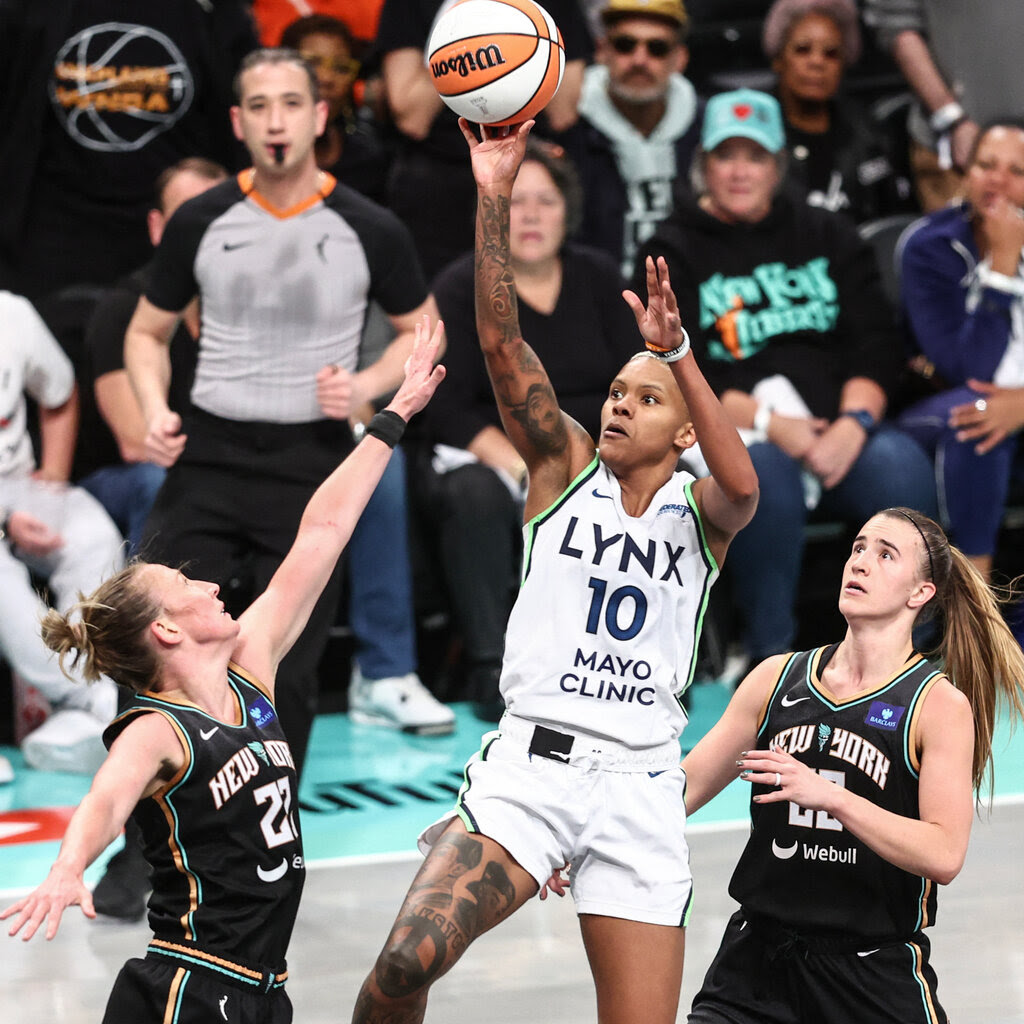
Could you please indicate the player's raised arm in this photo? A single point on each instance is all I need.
(728, 498)
(553, 445)
(272, 623)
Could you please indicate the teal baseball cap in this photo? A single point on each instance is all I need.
(746, 114)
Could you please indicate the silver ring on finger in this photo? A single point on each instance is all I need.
(778, 778)
(980, 404)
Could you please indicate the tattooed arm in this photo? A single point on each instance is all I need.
(553, 445)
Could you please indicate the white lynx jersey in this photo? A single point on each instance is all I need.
(602, 639)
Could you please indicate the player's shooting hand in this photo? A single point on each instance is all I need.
(164, 440)
(47, 903)
(334, 392)
(658, 322)
(497, 155)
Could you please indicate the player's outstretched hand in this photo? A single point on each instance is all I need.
(658, 321)
(497, 154)
(421, 375)
(47, 903)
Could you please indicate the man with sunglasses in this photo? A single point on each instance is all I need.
(638, 127)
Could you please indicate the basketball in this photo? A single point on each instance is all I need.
(496, 62)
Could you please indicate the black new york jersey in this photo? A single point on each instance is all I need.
(801, 867)
(223, 834)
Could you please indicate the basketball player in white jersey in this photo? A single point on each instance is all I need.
(621, 550)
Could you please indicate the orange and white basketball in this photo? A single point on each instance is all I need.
(496, 62)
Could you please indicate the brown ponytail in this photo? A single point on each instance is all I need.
(105, 633)
(976, 649)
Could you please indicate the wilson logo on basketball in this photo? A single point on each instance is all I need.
(495, 61)
(464, 64)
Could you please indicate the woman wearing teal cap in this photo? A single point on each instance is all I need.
(796, 339)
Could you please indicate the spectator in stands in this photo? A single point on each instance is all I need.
(350, 147)
(125, 482)
(51, 531)
(469, 477)
(431, 187)
(102, 96)
(789, 319)
(285, 261)
(836, 158)
(274, 16)
(962, 62)
(638, 126)
(963, 298)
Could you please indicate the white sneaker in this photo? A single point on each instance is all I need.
(70, 740)
(6, 770)
(99, 699)
(398, 702)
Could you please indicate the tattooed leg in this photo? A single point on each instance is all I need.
(466, 886)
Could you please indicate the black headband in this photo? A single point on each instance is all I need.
(924, 541)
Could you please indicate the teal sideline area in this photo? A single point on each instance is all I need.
(369, 791)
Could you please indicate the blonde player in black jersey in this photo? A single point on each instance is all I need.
(863, 756)
(621, 551)
(199, 757)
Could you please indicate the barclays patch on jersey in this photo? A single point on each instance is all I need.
(884, 716)
(261, 712)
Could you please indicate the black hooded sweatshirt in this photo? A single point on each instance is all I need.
(797, 294)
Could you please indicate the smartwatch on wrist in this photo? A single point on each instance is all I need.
(864, 418)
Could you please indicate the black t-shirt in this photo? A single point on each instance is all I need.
(104, 353)
(815, 151)
(122, 91)
(364, 161)
(582, 343)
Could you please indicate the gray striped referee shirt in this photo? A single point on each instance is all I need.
(283, 293)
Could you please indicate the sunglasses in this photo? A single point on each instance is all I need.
(339, 65)
(657, 48)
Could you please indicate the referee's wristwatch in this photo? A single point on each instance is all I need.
(864, 418)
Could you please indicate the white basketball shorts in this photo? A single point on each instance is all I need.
(616, 816)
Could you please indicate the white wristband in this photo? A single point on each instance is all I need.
(946, 117)
(674, 354)
(762, 417)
